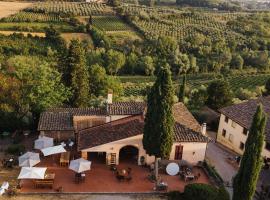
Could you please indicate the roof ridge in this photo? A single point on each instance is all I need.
(125, 119)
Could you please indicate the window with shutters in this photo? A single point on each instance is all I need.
(178, 152)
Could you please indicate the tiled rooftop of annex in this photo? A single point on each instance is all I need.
(100, 179)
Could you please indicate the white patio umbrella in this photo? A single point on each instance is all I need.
(43, 142)
(53, 150)
(32, 173)
(80, 165)
(29, 159)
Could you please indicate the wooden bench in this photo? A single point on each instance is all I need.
(46, 182)
(43, 183)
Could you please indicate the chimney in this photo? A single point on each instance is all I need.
(203, 128)
(110, 97)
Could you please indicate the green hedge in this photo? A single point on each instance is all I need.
(213, 173)
(15, 149)
(199, 191)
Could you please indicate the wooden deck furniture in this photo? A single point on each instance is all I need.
(64, 159)
(124, 175)
(46, 182)
(79, 177)
(162, 186)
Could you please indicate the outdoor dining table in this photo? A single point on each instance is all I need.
(64, 158)
(123, 174)
(47, 181)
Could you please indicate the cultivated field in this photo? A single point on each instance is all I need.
(24, 33)
(9, 8)
(80, 36)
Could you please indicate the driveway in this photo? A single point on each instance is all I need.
(217, 157)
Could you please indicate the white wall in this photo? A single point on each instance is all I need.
(192, 152)
(237, 134)
(116, 117)
(114, 147)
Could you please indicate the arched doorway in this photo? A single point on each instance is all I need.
(129, 154)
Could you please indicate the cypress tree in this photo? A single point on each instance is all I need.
(78, 74)
(182, 90)
(245, 181)
(158, 128)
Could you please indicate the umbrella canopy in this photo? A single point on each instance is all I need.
(53, 150)
(29, 159)
(80, 165)
(43, 142)
(32, 173)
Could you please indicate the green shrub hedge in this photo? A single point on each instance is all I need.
(199, 191)
(15, 149)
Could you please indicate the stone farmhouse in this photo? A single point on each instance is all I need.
(114, 133)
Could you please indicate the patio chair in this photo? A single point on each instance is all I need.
(129, 178)
(119, 177)
(113, 168)
(196, 177)
(129, 170)
(59, 189)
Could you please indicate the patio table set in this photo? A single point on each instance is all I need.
(124, 174)
(39, 175)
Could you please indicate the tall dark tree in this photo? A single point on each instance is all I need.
(245, 181)
(219, 94)
(77, 75)
(267, 88)
(182, 89)
(158, 128)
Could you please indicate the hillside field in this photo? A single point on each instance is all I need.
(9, 8)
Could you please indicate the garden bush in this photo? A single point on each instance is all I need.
(15, 149)
(198, 191)
(175, 195)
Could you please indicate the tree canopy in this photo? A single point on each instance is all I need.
(78, 74)
(158, 129)
(219, 94)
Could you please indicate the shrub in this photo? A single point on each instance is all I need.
(15, 149)
(200, 191)
(213, 173)
(175, 195)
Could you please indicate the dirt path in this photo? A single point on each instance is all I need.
(8, 8)
(85, 197)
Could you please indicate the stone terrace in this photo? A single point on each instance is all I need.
(100, 179)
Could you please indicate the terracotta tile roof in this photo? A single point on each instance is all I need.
(109, 132)
(243, 113)
(55, 121)
(184, 134)
(126, 108)
(129, 127)
(183, 116)
(79, 111)
(56, 118)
